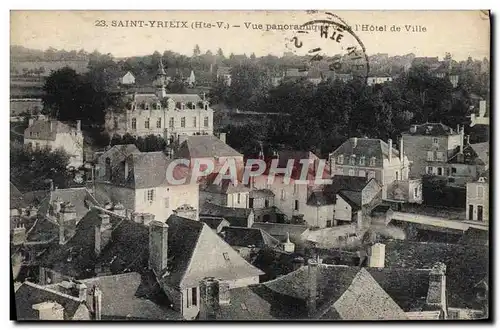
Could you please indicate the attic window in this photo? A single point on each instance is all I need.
(353, 159)
(226, 256)
(340, 159)
(372, 161)
(481, 179)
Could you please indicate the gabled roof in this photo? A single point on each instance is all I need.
(261, 193)
(76, 196)
(203, 253)
(365, 147)
(132, 296)
(40, 129)
(119, 152)
(280, 230)
(244, 236)
(214, 222)
(431, 129)
(346, 182)
(482, 151)
(235, 216)
(29, 294)
(319, 198)
(205, 146)
(149, 169)
(226, 186)
(16, 198)
(353, 198)
(470, 155)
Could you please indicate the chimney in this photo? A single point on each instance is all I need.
(51, 125)
(102, 233)
(19, 235)
(390, 150)
(125, 170)
(458, 128)
(401, 151)
(97, 303)
(482, 108)
(119, 209)
(186, 211)
(78, 125)
(56, 206)
(467, 139)
(288, 246)
(49, 311)
(222, 137)
(68, 212)
(462, 140)
(31, 121)
(312, 286)
(436, 296)
(158, 247)
(413, 129)
(209, 298)
(354, 142)
(376, 258)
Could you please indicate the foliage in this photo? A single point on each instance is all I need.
(30, 169)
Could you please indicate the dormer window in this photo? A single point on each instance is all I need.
(362, 161)
(353, 160)
(205, 106)
(146, 106)
(372, 161)
(158, 105)
(340, 159)
(183, 106)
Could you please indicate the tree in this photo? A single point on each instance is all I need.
(62, 99)
(220, 53)
(31, 169)
(196, 51)
(252, 56)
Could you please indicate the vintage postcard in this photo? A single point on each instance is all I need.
(250, 165)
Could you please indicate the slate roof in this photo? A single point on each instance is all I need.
(431, 129)
(280, 230)
(132, 296)
(214, 222)
(235, 216)
(29, 294)
(40, 130)
(185, 98)
(202, 253)
(119, 152)
(353, 198)
(482, 151)
(349, 187)
(347, 293)
(261, 193)
(466, 265)
(226, 187)
(16, 198)
(205, 146)
(149, 169)
(366, 147)
(319, 198)
(243, 236)
(76, 196)
(35, 197)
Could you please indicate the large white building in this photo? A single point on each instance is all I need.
(54, 135)
(158, 113)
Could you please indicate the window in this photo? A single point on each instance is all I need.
(266, 203)
(194, 296)
(283, 194)
(440, 155)
(226, 256)
(296, 205)
(37, 145)
(415, 192)
(435, 141)
(429, 169)
(239, 198)
(471, 211)
(134, 123)
(205, 122)
(372, 161)
(353, 160)
(430, 156)
(328, 223)
(362, 173)
(167, 202)
(146, 123)
(158, 123)
(440, 171)
(171, 122)
(453, 170)
(183, 122)
(340, 159)
(194, 122)
(480, 192)
(351, 172)
(362, 161)
(480, 213)
(150, 195)
(146, 106)
(295, 189)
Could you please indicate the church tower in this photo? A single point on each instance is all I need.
(160, 81)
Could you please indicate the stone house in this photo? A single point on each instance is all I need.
(477, 199)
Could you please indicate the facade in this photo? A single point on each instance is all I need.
(127, 79)
(224, 74)
(371, 158)
(481, 116)
(158, 113)
(370, 81)
(468, 163)
(54, 135)
(477, 205)
(138, 181)
(453, 80)
(429, 146)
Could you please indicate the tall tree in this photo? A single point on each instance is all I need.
(196, 50)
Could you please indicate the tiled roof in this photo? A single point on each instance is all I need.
(243, 236)
(432, 129)
(202, 254)
(16, 198)
(41, 130)
(466, 265)
(365, 147)
(132, 296)
(30, 294)
(280, 230)
(205, 146)
(235, 216)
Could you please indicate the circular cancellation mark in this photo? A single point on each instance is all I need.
(331, 45)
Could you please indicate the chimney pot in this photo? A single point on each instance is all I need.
(413, 129)
(312, 286)
(390, 150)
(78, 125)
(377, 256)
(158, 247)
(354, 142)
(97, 303)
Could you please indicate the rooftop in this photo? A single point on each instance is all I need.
(205, 146)
(368, 148)
(42, 129)
(432, 129)
(248, 237)
(235, 216)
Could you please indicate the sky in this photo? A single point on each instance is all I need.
(462, 33)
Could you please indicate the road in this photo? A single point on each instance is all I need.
(437, 222)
